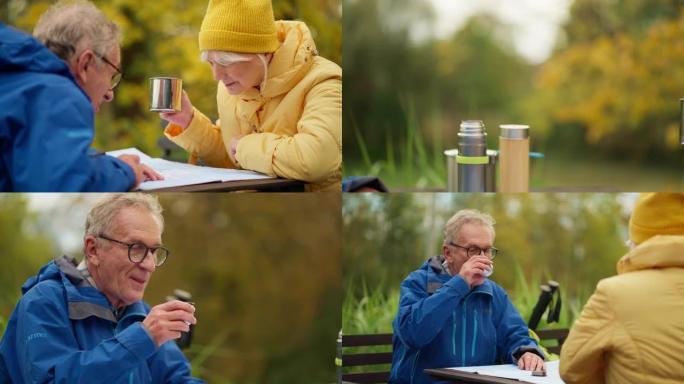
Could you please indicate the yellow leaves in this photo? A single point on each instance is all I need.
(27, 21)
(619, 82)
(672, 136)
(160, 38)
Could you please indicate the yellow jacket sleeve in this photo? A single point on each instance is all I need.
(582, 356)
(314, 153)
(202, 138)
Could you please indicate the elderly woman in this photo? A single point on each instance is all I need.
(279, 103)
(631, 328)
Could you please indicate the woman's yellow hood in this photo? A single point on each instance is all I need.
(292, 60)
(661, 251)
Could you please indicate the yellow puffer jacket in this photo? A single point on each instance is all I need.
(632, 328)
(293, 127)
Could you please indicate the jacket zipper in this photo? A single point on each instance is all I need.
(415, 363)
(472, 346)
(463, 336)
(453, 333)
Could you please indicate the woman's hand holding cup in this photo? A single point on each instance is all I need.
(182, 118)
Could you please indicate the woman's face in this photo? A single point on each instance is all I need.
(239, 76)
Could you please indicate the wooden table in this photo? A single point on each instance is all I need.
(261, 185)
(454, 376)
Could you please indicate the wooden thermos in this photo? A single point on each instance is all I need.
(514, 158)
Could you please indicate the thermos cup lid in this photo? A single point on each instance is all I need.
(515, 131)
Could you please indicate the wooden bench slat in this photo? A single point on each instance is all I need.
(364, 378)
(366, 340)
(558, 334)
(356, 359)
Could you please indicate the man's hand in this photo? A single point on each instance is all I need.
(142, 172)
(182, 118)
(166, 321)
(473, 270)
(531, 362)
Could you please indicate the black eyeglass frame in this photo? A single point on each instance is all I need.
(153, 250)
(477, 250)
(116, 79)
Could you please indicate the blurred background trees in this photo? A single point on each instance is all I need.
(264, 273)
(603, 107)
(160, 39)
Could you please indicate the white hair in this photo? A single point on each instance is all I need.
(466, 216)
(67, 28)
(224, 59)
(100, 219)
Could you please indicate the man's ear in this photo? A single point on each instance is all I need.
(81, 63)
(91, 250)
(446, 251)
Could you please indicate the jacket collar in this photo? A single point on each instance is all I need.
(290, 62)
(661, 251)
(84, 300)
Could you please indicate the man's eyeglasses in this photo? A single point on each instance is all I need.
(475, 251)
(138, 251)
(116, 78)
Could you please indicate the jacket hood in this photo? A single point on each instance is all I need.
(83, 299)
(292, 60)
(21, 52)
(661, 251)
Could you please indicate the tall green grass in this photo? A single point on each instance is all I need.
(411, 162)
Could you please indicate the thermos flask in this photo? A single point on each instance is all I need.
(185, 340)
(472, 156)
(514, 158)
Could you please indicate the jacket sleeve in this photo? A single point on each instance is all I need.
(50, 353)
(512, 333)
(51, 154)
(582, 353)
(170, 366)
(202, 138)
(314, 153)
(422, 316)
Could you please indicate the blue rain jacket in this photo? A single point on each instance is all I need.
(63, 330)
(46, 125)
(442, 323)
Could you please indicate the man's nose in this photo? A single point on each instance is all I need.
(149, 263)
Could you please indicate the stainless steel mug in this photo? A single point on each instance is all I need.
(165, 94)
(452, 170)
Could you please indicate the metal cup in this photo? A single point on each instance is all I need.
(165, 94)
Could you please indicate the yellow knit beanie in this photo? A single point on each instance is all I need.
(657, 214)
(245, 26)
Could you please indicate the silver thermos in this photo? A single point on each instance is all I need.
(472, 157)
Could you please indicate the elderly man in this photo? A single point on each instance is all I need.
(451, 315)
(87, 323)
(47, 99)
(632, 328)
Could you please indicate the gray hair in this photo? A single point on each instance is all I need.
(67, 28)
(224, 58)
(466, 216)
(101, 216)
